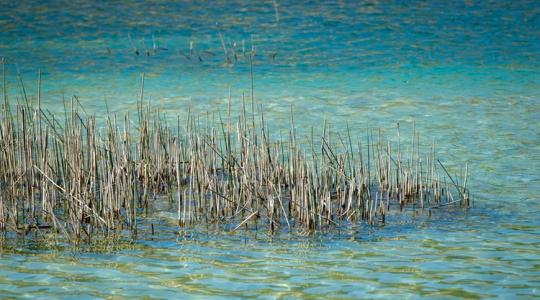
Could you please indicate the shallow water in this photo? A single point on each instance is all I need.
(467, 73)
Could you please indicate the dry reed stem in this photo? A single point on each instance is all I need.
(84, 181)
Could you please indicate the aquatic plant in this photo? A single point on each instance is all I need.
(72, 176)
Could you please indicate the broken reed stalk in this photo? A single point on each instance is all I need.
(85, 181)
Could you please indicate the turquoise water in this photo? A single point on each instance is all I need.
(467, 73)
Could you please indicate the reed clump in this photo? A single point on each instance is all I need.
(81, 179)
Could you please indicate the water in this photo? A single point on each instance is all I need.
(467, 72)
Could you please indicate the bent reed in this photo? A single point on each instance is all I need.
(70, 176)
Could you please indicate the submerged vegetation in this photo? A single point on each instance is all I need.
(73, 176)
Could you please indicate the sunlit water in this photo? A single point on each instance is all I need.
(467, 73)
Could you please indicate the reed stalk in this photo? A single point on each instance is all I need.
(83, 180)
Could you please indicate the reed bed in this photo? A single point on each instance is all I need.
(72, 176)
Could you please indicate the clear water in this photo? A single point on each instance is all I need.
(468, 73)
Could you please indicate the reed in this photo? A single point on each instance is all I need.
(276, 11)
(83, 180)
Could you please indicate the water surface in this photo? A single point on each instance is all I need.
(467, 73)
